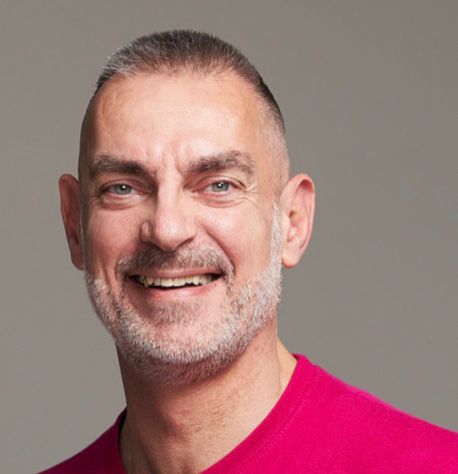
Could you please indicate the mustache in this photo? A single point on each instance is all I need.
(183, 258)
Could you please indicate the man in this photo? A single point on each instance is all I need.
(182, 216)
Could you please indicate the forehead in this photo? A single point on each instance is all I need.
(175, 117)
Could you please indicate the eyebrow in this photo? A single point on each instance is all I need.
(113, 164)
(232, 159)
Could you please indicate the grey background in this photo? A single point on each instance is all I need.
(368, 89)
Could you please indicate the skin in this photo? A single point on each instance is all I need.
(169, 125)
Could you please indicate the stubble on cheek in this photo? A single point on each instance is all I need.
(146, 326)
(164, 338)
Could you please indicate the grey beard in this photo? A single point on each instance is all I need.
(160, 358)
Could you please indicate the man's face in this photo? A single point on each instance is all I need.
(181, 242)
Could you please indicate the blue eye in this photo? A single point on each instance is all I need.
(121, 189)
(220, 186)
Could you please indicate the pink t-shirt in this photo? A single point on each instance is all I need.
(319, 425)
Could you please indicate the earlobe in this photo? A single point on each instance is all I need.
(298, 206)
(70, 207)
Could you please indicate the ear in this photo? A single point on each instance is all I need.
(70, 208)
(297, 206)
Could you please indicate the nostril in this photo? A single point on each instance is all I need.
(167, 233)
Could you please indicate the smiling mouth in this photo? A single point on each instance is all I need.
(173, 283)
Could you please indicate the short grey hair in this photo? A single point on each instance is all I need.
(175, 51)
(186, 51)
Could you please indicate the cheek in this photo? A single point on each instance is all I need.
(243, 236)
(107, 237)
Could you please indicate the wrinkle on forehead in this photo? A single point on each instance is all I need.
(271, 135)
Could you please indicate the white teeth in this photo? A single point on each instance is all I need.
(174, 282)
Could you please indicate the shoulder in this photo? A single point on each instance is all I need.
(363, 426)
(100, 457)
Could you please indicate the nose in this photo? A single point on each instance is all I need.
(169, 225)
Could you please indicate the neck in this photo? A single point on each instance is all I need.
(185, 429)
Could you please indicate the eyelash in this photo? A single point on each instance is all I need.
(119, 185)
(120, 191)
(214, 186)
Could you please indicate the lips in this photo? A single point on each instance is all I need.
(191, 271)
(177, 282)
